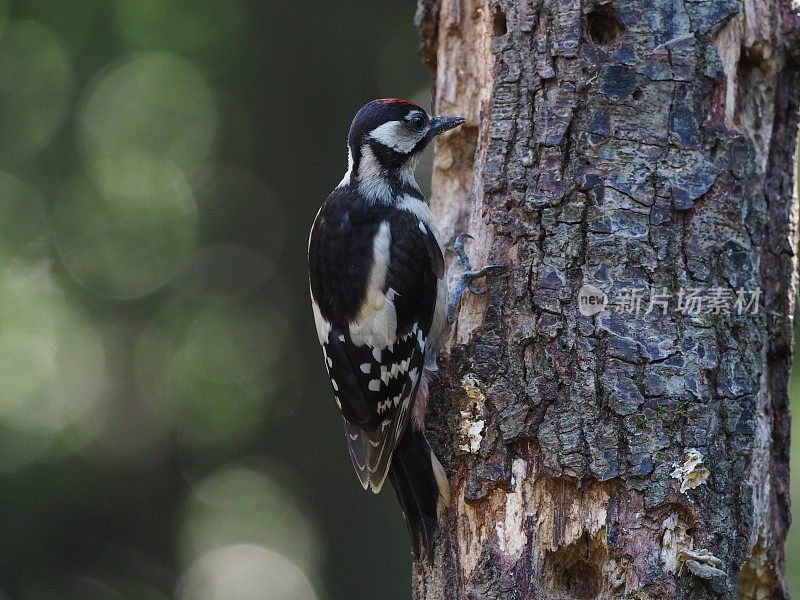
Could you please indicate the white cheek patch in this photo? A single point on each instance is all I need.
(397, 136)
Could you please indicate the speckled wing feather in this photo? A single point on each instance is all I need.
(375, 356)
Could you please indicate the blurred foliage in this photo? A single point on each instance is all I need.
(165, 429)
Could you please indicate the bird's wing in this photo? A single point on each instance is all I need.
(390, 384)
(375, 360)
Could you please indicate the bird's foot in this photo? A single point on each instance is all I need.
(466, 281)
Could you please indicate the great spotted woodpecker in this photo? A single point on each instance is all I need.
(379, 298)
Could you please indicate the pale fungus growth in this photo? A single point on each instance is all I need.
(472, 424)
(691, 473)
(702, 563)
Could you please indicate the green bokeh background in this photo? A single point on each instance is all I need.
(166, 430)
(165, 426)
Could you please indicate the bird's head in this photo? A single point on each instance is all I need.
(386, 138)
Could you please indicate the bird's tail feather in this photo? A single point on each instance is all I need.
(421, 487)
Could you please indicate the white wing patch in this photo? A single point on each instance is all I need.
(376, 323)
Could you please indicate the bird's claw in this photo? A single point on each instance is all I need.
(468, 276)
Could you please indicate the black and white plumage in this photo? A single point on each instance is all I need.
(378, 294)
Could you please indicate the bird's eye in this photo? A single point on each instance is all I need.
(417, 121)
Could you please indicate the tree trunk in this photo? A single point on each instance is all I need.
(636, 145)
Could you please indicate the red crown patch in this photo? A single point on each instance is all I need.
(395, 101)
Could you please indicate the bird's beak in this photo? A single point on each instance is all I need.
(441, 124)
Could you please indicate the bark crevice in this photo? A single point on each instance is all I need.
(637, 145)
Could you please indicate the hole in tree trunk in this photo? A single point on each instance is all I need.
(577, 569)
(604, 26)
(499, 23)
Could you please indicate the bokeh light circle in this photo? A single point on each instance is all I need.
(236, 505)
(244, 572)
(210, 372)
(127, 244)
(155, 105)
(35, 83)
(53, 365)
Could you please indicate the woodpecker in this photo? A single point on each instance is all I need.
(379, 299)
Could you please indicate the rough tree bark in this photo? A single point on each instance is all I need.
(627, 144)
